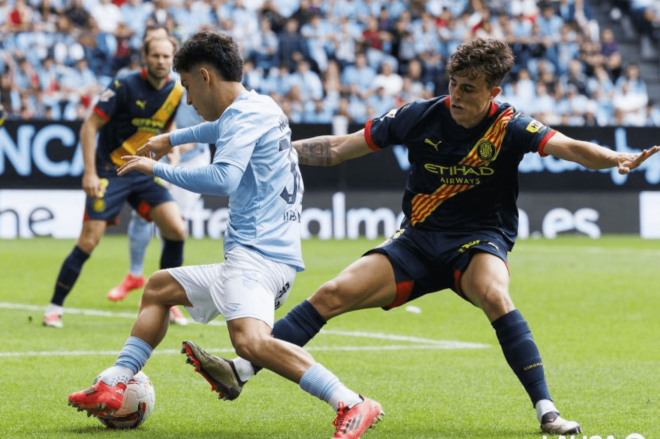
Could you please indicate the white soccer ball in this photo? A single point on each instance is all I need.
(139, 401)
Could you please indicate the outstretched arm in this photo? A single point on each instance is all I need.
(593, 156)
(331, 150)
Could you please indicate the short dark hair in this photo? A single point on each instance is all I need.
(489, 57)
(218, 50)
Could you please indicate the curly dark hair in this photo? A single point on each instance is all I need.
(217, 50)
(488, 57)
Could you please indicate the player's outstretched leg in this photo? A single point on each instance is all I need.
(353, 421)
(127, 285)
(219, 372)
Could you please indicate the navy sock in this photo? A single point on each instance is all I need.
(299, 326)
(68, 275)
(521, 353)
(172, 254)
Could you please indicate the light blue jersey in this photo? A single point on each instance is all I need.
(257, 167)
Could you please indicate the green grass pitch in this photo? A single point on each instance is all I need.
(592, 305)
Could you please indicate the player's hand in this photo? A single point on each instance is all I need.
(92, 185)
(159, 145)
(136, 163)
(632, 161)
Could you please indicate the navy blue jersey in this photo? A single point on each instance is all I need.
(461, 180)
(135, 111)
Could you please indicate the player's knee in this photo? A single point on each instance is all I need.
(155, 288)
(88, 243)
(175, 232)
(328, 300)
(495, 302)
(249, 347)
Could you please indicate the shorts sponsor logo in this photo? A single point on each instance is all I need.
(466, 247)
(99, 205)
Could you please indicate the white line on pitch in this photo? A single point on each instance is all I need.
(420, 343)
(448, 345)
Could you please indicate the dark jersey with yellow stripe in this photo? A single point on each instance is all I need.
(462, 180)
(135, 111)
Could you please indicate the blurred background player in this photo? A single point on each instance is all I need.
(139, 230)
(128, 113)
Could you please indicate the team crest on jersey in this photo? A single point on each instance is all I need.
(534, 126)
(106, 95)
(486, 150)
(99, 205)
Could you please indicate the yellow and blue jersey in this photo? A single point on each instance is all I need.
(461, 180)
(135, 111)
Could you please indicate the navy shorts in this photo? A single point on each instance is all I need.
(141, 191)
(428, 261)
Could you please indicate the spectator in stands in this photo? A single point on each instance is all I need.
(331, 80)
(276, 81)
(373, 39)
(78, 15)
(292, 46)
(388, 79)
(381, 102)
(19, 18)
(634, 79)
(629, 105)
(361, 74)
(269, 11)
(575, 77)
(252, 77)
(264, 46)
(308, 82)
(345, 42)
(317, 33)
(317, 112)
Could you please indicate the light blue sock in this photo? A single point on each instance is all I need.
(131, 360)
(320, 382)
(139, 235)
(135, 354)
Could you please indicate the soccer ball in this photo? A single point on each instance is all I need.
(139, 401)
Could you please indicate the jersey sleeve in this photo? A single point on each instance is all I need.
(110, 99)
(239, 132)
(392, 128)
(530, 134)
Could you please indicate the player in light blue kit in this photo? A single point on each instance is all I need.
(256, 166)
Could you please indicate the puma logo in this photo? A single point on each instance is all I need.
(435, 145)
(140, 103)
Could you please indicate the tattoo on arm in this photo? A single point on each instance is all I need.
(314, 152)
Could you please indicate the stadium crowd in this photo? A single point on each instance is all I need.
(347, 60)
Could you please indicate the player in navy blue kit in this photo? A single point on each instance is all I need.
(462, 219)
(129, 112)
